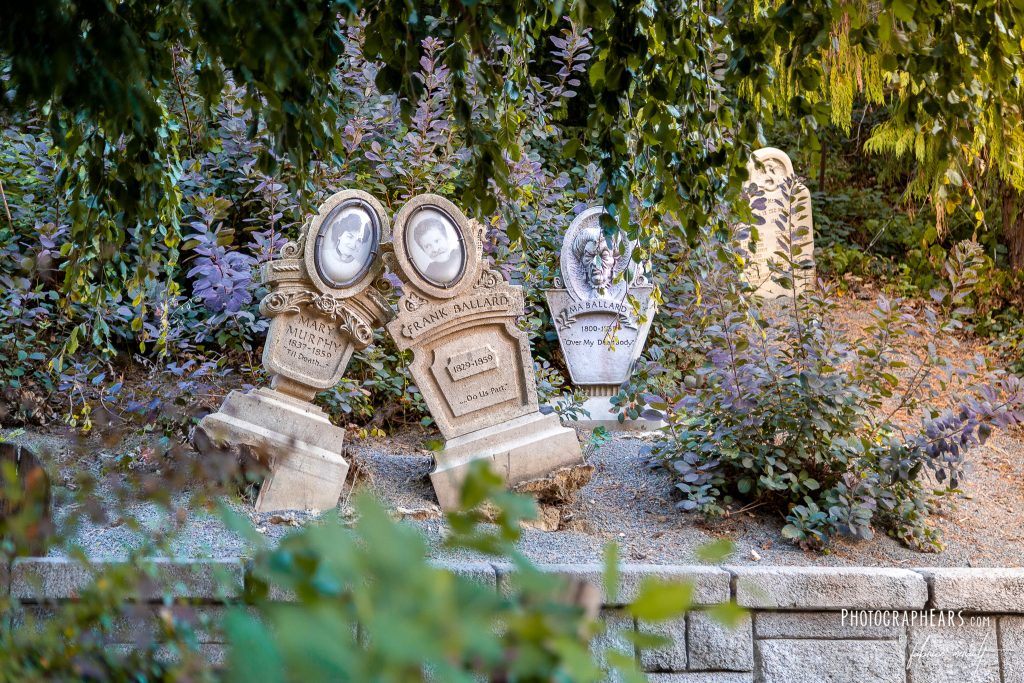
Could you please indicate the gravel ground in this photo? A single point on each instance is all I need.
(628, 503)
(625, 502)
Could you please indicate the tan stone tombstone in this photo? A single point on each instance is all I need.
(600, 334)
(323, 305)
(470, 361)
(769, 168)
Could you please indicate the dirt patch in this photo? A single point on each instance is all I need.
(554, 494)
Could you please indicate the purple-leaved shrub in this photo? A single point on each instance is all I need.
(222, 278)
(787, 409)
(197, 294)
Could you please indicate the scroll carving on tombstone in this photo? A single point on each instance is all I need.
(599, 330)
(324, 304)
(470, 360)
(783, 205)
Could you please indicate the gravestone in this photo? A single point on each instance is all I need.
(599, 330)
(470, 360)
(324, 304)
(784, 200)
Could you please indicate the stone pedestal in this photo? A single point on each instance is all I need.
(602, 414)
(293, 438)
(521, 449)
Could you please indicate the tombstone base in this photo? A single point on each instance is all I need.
(294, 438)
(524, 448)
(602, 414)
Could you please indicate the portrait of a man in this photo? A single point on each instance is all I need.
(346, 246)
(435, 248)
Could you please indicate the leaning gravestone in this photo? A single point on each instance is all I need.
(470, 361)
(323, 305)
(600, 333)
(786, 208)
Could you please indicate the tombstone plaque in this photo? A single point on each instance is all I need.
(470, 361)
(323, 305)
(786, 200)
(599, 331)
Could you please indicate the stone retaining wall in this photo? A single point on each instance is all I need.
(804, 624)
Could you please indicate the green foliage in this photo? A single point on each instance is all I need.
(103, 77)
(235, 215)
(366, 604)
(866, 226)
(220, 120)
(786, 409)
(150, 175)
(947, 73)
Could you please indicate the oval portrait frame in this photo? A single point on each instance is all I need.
(469, 242)
(567, 259)
(380, 229)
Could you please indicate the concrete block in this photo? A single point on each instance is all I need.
(49, 578)
(602, 414)
(829, 588)
(823, 625)
(672, 657)
(711, 585)
(1011, 646)
(977, 590)
(715, 647)
(480, 572)
(831, 661)
(954, 653)
(520, 449)
(296, 438)
(277, 593)
(617, 623)
(139, 622)
(37, 579)
(214, 653)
